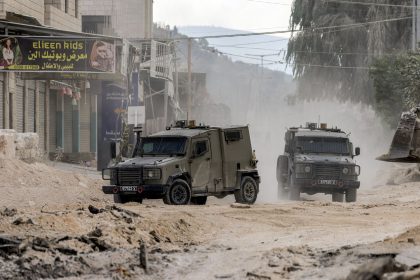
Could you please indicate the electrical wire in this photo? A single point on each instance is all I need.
(370, 4)
(352, 25)
(268, 2)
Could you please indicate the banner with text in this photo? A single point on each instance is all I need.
(45, 54)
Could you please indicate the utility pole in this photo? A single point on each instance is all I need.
(189, 90)
(414, 26)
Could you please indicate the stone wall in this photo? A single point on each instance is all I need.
(13, 145)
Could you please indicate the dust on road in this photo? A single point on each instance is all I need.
(59, 235)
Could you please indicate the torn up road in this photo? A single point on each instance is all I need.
(86, 236)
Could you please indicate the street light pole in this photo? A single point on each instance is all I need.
(189, 90)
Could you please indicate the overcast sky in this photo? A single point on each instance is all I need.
(255, 15)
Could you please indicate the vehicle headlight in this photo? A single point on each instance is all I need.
(303, 168)
(151, 174)
(346, 170)
(357, 170)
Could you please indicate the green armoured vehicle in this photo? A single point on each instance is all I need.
(318, 160)
(186, 164)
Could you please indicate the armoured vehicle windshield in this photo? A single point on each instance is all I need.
(323, 145)
(162, 146)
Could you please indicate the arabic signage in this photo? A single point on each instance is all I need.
(64, 55)
(114, 108)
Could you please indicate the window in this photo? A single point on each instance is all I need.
(76, 8)
(66, 6)
(200, 148)
(162, 146)
(233, 135)
(321, 145)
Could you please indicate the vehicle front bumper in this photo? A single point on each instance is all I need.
(313, 184)
(145, 191)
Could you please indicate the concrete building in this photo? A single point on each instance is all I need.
(39, 102)
(60, 14)
(129, 19)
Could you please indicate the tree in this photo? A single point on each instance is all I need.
(397, 85)
(334, 62)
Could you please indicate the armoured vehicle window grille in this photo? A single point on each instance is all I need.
(200, 148)
(233, 135)
(323, 145)
(163, 146)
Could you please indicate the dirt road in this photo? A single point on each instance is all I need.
(311, 239)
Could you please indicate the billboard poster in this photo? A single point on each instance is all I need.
(114, 109)
(55, 54)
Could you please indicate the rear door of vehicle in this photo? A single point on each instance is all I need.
(200, 161)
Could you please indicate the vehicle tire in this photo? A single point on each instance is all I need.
(248, 191)
(178, 194)
(337, 197)
(294, 191)
(199, 200)
(351, 195)
(121, 198)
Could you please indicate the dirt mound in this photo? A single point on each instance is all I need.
(404, 174)
(23, 184)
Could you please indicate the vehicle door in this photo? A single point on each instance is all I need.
(200, 160)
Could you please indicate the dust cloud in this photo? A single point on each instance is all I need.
(268, 126)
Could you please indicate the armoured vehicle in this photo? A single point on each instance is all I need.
(405, 146)
(186, 164)
(318, 160)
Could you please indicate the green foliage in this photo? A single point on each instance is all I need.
(331, 63)
(397, 85)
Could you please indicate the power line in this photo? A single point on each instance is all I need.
(370, 4)
(352, 25)
(268, 2)
(246, 48)
(328, 66)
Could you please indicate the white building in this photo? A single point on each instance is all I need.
(129, 19)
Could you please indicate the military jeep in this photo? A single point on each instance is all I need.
(318, 160)
(186, 164)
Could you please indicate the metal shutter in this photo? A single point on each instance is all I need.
(1, 101)
(20, 108)
(68, 124)
(53, 120)
(31, 106)
(84, 124)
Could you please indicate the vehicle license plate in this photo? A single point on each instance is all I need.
(128, 188)
(327, 182)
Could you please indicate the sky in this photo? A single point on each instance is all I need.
(247, 15)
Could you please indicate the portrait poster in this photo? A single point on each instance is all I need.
(55, 54)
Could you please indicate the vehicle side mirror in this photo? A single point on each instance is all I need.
(113, 148)
(357, 151)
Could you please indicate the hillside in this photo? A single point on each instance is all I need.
(243, 46)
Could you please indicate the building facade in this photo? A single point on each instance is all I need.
(60, 108)
(129, 19)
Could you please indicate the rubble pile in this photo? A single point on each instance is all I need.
(23, 146)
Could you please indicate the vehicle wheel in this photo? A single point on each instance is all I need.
(247, 194)
(199, 200)
(294, 191)
(351, 195)
(178, 194)
(337, 197)
(121, 198)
